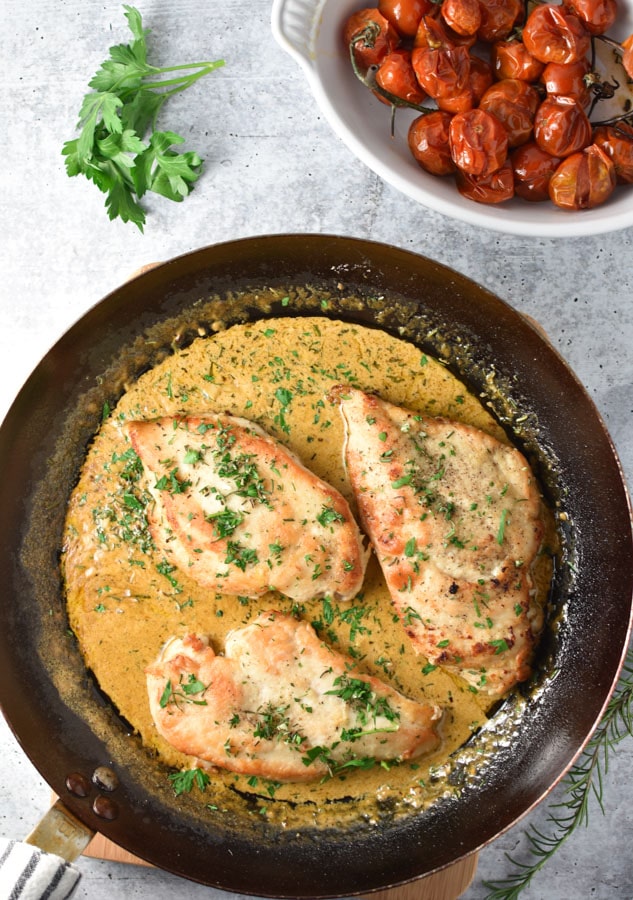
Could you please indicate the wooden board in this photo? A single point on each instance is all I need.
(447, 884)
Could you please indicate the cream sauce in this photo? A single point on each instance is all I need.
(124, 602)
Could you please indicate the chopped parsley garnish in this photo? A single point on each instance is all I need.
(183, 782)
(241, 469)
(328, 515)
(240, 556)
(165, 568)
(186, 691)
(324, 755)
(284, 396)
(410, 614)
(192, 456)
(225, 522)
(172, 483)
(500, 645)
(272, 723)
(363, 699)
(502, 526)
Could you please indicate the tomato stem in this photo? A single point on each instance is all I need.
(368, 36)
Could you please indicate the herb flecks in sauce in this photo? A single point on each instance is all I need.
(281, 381)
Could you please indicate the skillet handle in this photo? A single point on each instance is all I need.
(60, 833)
(41, 865)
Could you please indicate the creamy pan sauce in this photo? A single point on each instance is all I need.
(124, 599)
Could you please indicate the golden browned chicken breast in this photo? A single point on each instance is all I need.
(453, 515)
(280, 704)
(241, 514)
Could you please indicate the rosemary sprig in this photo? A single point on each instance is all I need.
(584, 780)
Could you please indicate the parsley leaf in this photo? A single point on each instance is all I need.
(115, 117)
(164, 171)
(183, 782)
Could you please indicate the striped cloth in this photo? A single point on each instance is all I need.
(27, 873)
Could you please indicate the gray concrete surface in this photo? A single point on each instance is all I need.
(272, 165)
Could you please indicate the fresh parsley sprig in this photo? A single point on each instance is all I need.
(583, 781)
(115, 117)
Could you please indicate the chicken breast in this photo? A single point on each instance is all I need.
(453, 515)
(242, 515)
(280, 704)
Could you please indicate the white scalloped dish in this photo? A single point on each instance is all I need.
(310, 31)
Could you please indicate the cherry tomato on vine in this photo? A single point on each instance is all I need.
(498, 18)
(433, 32)
(510, 118)
(533, 169)
(481, 77)
(494, 188)
(583, 180)
(456, 103)
(428, 142)
(463, 16)
(396, 75)
(479, 143)
(616, 141)
(512, 59)
(568, 80)
(441, 73)
(379, 37)
(596, 15)
(552, 34)
(404, 15)
(561, 126)
(514, 103)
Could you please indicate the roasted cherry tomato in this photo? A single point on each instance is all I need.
(533, 169)
(479, 143)
(552, 34)
(433, 32)
(487, 107)
(514, 103)
(441, 73)
(617, 143)
(404, 15)
(583, 180)
(498, 18)
(568, 80)
(463, 16)
(596, 15)
(494, 188)
(561, 126)
(379, 37)
(428, 142)
(457, 103)
(396, 75)
(512, 59)
(481, 77)
(627, 56)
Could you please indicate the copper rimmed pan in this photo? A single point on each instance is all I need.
(68, 729)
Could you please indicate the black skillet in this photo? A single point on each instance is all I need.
(67, 728)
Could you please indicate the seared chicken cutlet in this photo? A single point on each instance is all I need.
(280, 704)
(453, 515)
(242, 515)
